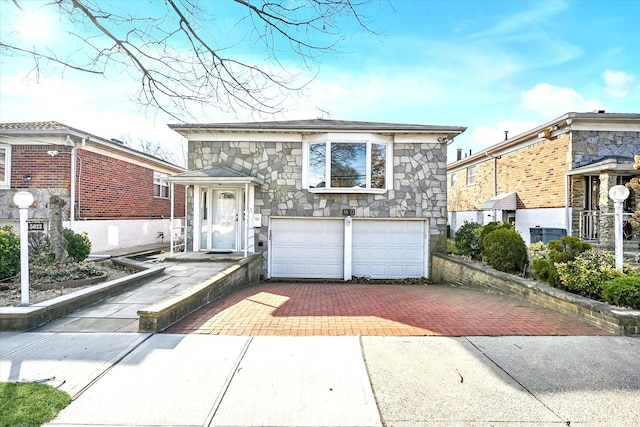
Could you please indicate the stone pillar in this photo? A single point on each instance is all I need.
(606, 221)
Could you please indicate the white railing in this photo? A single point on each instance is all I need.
(179, 240)
(589, 225)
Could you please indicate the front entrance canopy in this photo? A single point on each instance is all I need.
(222, 176)
(619, 165)
(503, 202)
(214, 175)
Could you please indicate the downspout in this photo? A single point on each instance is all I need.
(495, 178)
(74, 157)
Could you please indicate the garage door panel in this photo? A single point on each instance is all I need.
(388, 248)
(307, 248)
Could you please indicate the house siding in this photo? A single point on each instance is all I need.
(419, 184)
(107, 187)
(535, 172)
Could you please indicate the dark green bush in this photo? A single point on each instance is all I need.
(468, 240)
(492, 226)
(505, 250)
(623, 291)
(564, 250)
(78, 245)
(9, 252)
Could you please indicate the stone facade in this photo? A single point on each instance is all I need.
(419, 184)
(590, 146)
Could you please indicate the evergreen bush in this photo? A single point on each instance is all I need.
(492, 226)
(586, 274)
(468, 240)
(9, 252)
(78, 245)
(564, 250)
(505, 250)
(623, 291)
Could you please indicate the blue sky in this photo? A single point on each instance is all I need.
(488, 65)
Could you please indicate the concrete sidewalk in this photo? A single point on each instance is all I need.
(203, 380)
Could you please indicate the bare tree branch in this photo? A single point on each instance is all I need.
(178, 61)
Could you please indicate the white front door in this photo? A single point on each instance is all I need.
(219, 219)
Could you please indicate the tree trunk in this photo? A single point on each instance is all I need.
(58, 244)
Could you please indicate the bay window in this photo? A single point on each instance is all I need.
(347, 166)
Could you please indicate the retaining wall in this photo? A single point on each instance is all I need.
(163, 314)
(463, 272)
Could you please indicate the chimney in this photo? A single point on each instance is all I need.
(459, 154)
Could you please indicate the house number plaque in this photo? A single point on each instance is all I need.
(348, 212)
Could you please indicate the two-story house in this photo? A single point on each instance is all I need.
(118, 195)
(319, 198)
(552, 180)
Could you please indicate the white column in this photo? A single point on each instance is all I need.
(348, 247)
(24, 256)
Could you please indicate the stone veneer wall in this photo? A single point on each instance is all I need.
(419, 184)
(591, 146)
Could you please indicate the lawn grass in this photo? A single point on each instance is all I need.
(30, 404)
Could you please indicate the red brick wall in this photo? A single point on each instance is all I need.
(535, 172)
(45, 171)
(112, 188)
(106, 187)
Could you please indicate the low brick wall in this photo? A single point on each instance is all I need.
(30, 317)
(463, 272)
(163, 314)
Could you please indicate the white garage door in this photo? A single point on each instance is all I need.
(388, 249)
(307, 248)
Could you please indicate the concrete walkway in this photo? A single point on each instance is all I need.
(134, 379)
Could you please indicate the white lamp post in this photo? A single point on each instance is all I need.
(24, 199)
(618, 194)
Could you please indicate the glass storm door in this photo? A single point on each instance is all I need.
(218, 219)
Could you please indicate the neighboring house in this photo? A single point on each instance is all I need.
(551, 180)
(120, 196)
(319, 198)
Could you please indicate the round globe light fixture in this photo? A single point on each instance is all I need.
(23, 199)
(619, 193)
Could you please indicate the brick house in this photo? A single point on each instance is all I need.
(319, 198)
(551, 180)
(120, 196)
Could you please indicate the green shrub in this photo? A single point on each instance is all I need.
(586, 274)
(78, 245)
(9, 252)
(564, 250)
(624, 291)
(468, 240)
(505, 250)
(492, 226)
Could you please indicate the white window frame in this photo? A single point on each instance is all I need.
(6, 181)
(160, 181)
(454, 180)
(471, 177)
(334, 138)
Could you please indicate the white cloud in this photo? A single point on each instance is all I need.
(617, 83)
(550, 100)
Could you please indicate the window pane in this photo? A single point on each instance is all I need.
(317, 165)
(349, 165)
(3, 164)
(378, 165)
